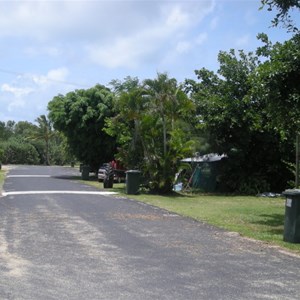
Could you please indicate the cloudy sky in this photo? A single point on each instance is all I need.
(53, 47)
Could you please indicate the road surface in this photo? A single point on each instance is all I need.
(57, 243)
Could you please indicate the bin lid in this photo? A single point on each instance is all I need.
(292, 192)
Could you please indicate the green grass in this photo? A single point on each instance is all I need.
(2, 176)
(260, 218)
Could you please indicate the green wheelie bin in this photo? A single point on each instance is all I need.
(292, 216)
(132, 182)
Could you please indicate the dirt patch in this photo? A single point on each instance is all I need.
(13, 264)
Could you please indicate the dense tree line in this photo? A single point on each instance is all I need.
(243, 121)
(153, 127)
(27, 143)
(249, 109)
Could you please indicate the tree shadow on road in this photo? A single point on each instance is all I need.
(68, 177)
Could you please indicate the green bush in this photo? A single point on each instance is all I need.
(1, 155)
(17, 151)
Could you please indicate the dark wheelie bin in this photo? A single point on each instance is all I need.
(132, 182)
(292, 216)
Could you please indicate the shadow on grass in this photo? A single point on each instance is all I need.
(275, 222)
(121, 188)
(272, 220)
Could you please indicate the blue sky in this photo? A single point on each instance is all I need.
(53, 47)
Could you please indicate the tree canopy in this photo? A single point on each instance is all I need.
(249, 109)
(80, 116)
(238, 124)
(283, 8)
(152, 128)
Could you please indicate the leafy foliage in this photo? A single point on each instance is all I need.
(152, 128)
(18, 151)
(6, 130)
(283, 8)
(249, 109)
(277, 82)
(80, 116)
(1, 154)
(238, 125)
(42, 132)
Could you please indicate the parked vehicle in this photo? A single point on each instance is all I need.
(102, 172)
(119, 176)
(118, 171)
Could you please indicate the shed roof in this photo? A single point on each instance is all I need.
(211, 157)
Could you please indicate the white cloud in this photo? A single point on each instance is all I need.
(43, 50)
(52, 77)
(183, 46)
(39, 19)
(187, 45)
(201, 38)
(214, 23)
(174, 20)
(243, 41)
(87, 20)
(15, 104)
(177, 17)
(15, 96)
(59, 74)
(30, 93)
(128, 51)
(16, 91)
(115, 34)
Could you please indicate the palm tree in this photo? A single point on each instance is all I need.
(162, 90)
(44, 133)
(169, 104)
(150, 126)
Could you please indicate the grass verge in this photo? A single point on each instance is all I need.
(260, 218)
(2, 176)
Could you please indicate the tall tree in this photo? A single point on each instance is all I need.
(24, 128)
(80, 116)
(2, 131)
(164, 94)
(125, 125)
(283, 17)
(156, 115)
(30, 134)
(237, 125)
(7, 129)
(277, 84)
(43, 133)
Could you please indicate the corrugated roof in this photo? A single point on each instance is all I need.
(211, 157)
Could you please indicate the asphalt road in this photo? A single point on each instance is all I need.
(91, 246)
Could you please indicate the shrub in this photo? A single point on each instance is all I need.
(17, 151)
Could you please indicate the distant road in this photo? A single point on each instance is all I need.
(60, 239)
